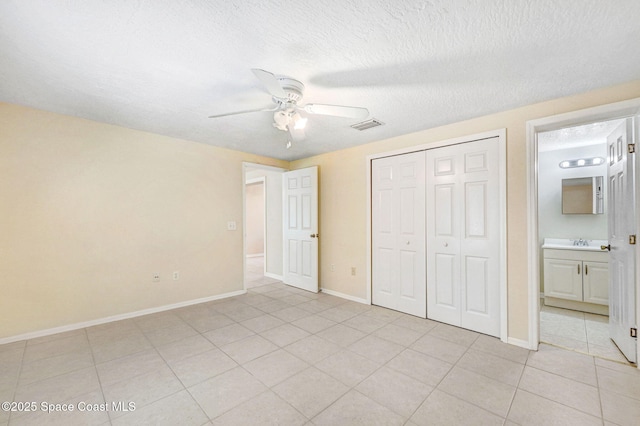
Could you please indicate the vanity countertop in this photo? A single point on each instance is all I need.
(567, 244)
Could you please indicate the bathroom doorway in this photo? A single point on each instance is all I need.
(571, 231)
(566, 266)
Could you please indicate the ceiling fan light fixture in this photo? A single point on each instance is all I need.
(299, 122)
(281, 120)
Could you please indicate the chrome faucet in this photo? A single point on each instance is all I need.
(581, 243)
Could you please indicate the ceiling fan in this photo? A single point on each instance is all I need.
(286, 92)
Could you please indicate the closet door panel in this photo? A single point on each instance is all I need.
(398, 234)
(480, 243)
(463, 236)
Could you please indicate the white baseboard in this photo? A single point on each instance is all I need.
(344, 296)
(76, 326)
(519, 342)
(256, 255)
(274, 276)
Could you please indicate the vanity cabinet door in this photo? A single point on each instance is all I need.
(563, 279)
(596, 282)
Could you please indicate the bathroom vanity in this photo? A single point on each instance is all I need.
(576, 275)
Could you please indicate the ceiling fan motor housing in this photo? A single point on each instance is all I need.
(292, 87)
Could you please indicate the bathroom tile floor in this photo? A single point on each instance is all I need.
(279, 355)
(578, 331)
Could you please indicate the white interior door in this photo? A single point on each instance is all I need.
(463, 235)
(398, 233)
(300, 228)
(621, 207)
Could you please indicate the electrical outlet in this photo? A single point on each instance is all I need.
(231, 226)
(156, 278)
(333, 267)
(176, 275)
(353, 270)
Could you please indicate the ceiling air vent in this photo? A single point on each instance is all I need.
(364, 125)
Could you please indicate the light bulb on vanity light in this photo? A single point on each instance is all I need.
(582, 162)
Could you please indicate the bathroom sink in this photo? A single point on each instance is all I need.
(567, 244)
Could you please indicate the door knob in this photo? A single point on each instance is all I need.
(314, 235)
(607, 247)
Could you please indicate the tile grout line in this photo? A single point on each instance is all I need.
(504, 419)
(95, 368)
(17, 382)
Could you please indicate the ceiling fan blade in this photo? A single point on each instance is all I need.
(270, 82)
(242, 112)
(337, 110)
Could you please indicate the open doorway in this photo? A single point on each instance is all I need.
(262, 224)
(572, 228)
(255, 219)
(539, 284)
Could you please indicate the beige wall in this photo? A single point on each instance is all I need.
(89, 212)
(343, 195)
(254, 193)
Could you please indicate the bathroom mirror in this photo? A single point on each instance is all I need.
(582, 195)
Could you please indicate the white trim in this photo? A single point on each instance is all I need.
(501, 134)
(502, 170)
(255, 255)
(612, 111)
(519, 342)
(274, 276)
(344, 296)
(439, 144)
(248, 164)
(369, 225)
(79, 325)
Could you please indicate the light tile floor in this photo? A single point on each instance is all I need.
(254, 276)
(279, 355)
(578, 331)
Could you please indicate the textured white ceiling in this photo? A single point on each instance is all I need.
(163, 66)
(573, 137)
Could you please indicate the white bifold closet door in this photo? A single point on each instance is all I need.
(398, 233)
(463, 235)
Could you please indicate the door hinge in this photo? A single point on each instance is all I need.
(631, 148)
(633, 332)
(632, 239)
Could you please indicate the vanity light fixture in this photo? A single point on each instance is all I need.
(582, 162)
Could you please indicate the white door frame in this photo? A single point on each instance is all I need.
(501, 134)
(246, 165)
(613, 111)
(263, 180)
